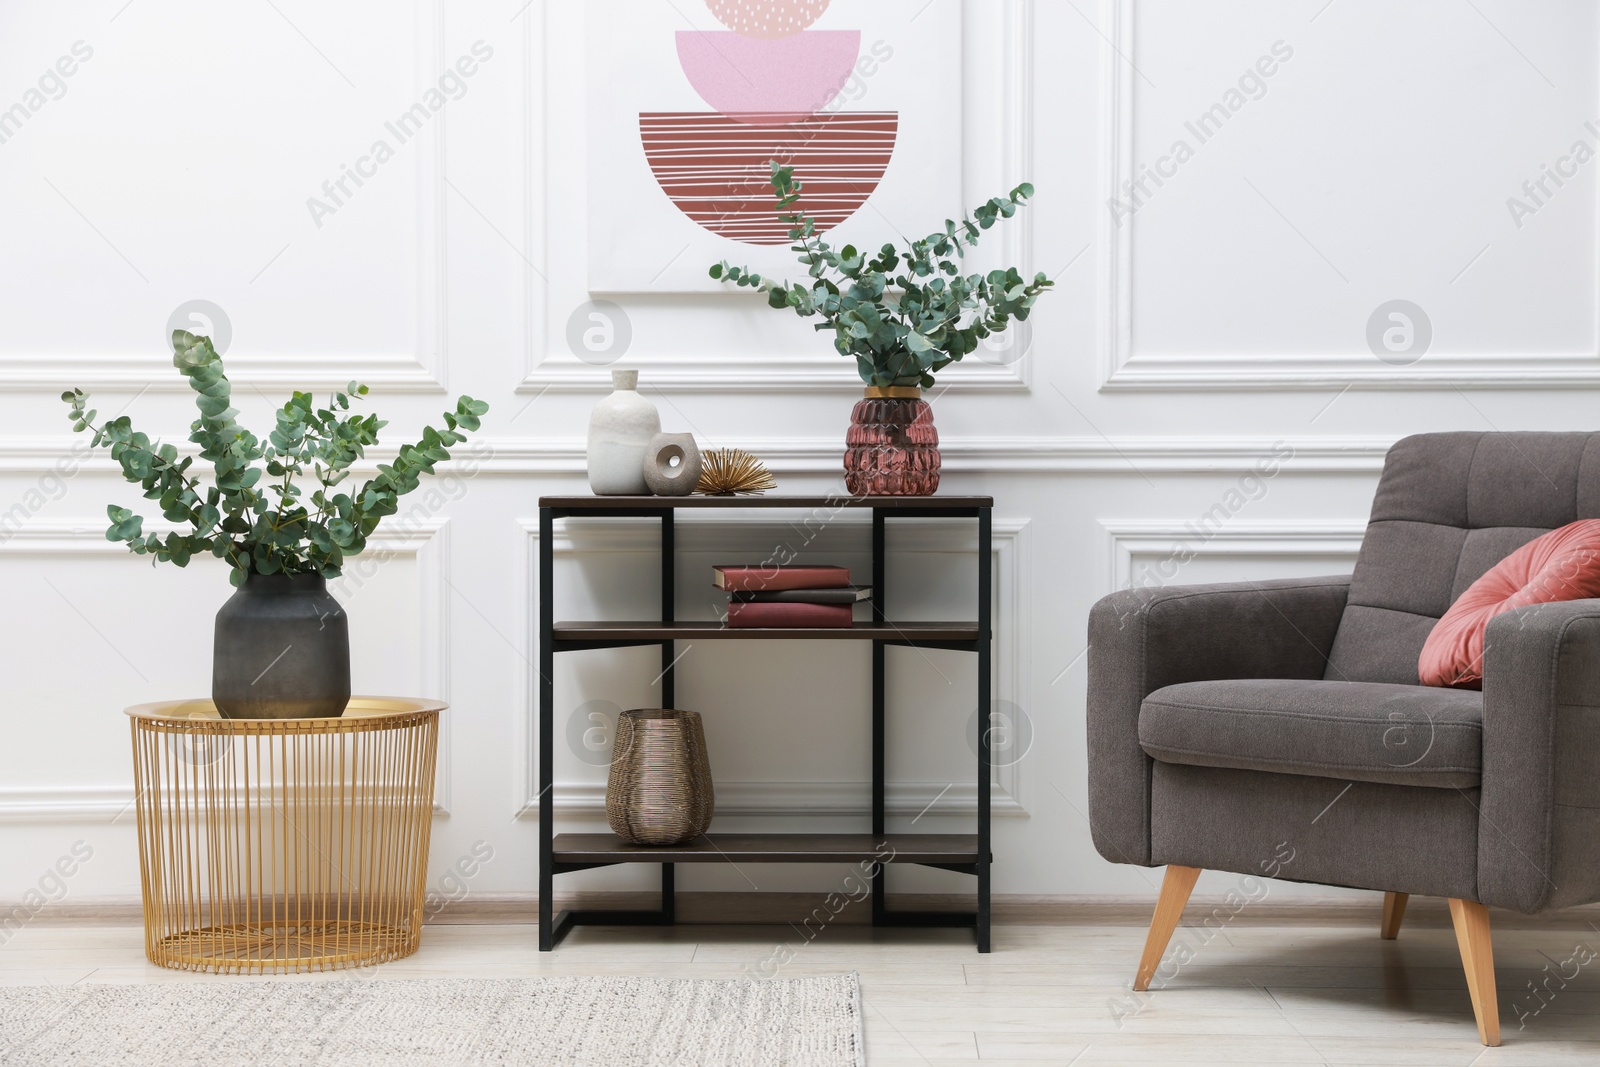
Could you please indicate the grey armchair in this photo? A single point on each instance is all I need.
(1280, 728)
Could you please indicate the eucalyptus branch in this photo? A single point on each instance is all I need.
(933, 315)
(232, 519)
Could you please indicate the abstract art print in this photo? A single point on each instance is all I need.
(690, 101)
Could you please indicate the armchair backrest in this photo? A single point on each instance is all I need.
(1449, 506)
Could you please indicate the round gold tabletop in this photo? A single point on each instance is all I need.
(360, 708)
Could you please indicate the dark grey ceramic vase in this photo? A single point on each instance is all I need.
(282, 650)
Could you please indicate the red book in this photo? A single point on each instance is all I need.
(755, 615)
(770, 576)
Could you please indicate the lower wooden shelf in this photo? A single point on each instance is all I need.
(936, 849)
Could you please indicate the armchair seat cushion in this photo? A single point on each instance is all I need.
(1358, 731)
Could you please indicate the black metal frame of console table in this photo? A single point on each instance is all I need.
(965, 853)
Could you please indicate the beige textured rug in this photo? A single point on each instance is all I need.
(615, 1022)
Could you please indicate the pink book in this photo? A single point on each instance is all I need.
(768, 613)
(771, 577)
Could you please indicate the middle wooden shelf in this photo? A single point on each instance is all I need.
(569, 636)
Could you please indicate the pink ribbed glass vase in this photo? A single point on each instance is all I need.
(892, 448)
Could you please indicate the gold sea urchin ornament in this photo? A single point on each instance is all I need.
(726, 471)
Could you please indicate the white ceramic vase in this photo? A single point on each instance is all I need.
(620, 429)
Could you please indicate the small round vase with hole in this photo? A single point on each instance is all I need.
(892, 448)
(672, 464)
(620, 429)
(281, 650)
(659, 791)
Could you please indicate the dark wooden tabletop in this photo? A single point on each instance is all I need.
(841, 500)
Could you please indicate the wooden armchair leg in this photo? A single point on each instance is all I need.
(1394, 912)
(1477, 959)
(1175, 890)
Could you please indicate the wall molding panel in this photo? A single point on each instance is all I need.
(138, 372)
(1132, 455)
(421, 370)
(1124, 368)
(67, 804)
(426, 542)
(1127, 540)
(823, 371)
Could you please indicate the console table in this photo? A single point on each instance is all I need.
(965, 853)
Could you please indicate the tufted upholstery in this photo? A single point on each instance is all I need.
(1449, 506)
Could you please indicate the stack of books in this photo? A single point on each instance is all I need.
(766, 595)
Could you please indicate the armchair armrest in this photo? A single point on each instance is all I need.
(1539, 831)
(1143, 639)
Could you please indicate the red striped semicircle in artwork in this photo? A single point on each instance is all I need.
(714, 167)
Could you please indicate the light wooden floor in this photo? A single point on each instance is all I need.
(1257, 994)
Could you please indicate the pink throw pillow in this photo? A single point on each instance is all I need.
(1563, 564)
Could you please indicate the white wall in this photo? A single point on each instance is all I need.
(1222, 317)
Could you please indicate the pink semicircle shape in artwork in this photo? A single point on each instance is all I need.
(716, 168)
(767, 18)
(795, 75)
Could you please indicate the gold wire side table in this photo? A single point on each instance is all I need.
(283, 845)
